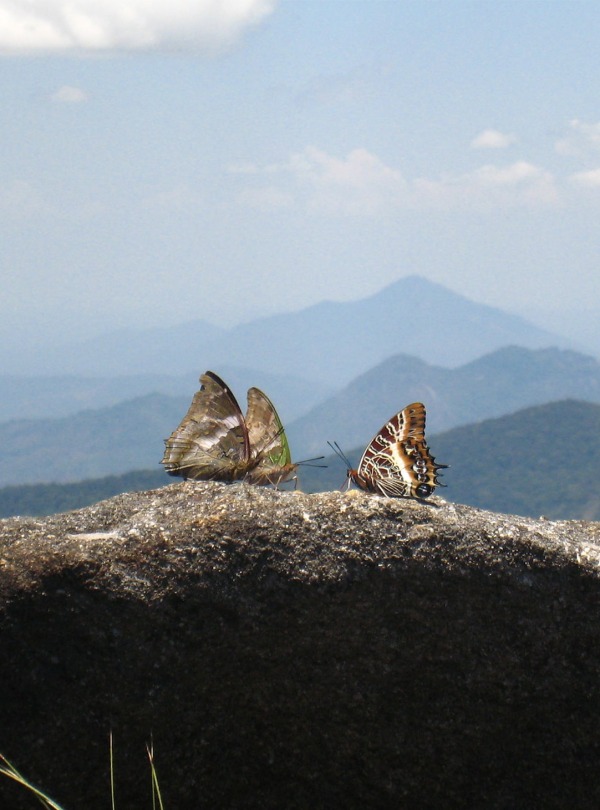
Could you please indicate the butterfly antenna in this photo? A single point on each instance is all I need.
(340, 453)
(308, 463)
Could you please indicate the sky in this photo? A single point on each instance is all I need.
(224, 159)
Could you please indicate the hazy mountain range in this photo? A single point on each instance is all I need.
(89, 444)
(495, 384)
(537, 461)
(330, 343)
(47, 499)
(130, 435)
(336, 371)
(49, 397)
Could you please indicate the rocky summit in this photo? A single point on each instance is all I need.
(284, 650)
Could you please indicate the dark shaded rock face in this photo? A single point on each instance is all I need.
(300, 651)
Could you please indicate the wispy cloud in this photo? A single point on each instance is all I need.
(493, 139)
(67, 94)
(590, 179)
(490, 186)
(361, 184)
(580, 140)
(48, 26)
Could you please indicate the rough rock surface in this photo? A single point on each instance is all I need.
(285, 650)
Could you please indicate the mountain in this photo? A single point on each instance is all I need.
(90, 444)
(503, 381)
(158, 350)
(126, 436)
(51, 397)
(330, 342)
(579, 325)
(537, 461)
(38, 500)
(129, 435)
(337, 341)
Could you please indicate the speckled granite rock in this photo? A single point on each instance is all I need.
(300, 651)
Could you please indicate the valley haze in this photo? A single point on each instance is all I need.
(329, 343)
(335, 371)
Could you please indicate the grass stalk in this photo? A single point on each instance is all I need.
(112, 771)
(156, 795)
(8, 769)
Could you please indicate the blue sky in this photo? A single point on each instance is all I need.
(163, 162)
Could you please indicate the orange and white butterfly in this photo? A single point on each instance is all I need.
(397, 461)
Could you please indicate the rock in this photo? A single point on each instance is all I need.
(283, 650)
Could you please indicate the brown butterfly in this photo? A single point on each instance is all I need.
(397, 461)
(215, 442)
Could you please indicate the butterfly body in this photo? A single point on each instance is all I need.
(397, 462)
(215, 442)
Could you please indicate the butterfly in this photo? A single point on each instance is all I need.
(215, 442)
(397, 461)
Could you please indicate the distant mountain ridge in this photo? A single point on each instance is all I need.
(48, 499)
(54, 397)
(90, 444)
(500, 382)
(129, 436)
(156, 350)
(537, 461)
(330, 342)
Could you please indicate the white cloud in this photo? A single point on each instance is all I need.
(589, 179)
(517, 174)
(99, 25)
(492, 139)
(518, 184)
(361, 184)
(526, 182)
(580, 140)
(68, 94)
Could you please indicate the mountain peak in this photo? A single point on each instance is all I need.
(327, 342)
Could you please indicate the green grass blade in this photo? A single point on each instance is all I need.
(112, 771)
(9, 770)
(156, 795)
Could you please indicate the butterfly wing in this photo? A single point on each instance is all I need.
(397, 461)
(212, 442)
(269, 448)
